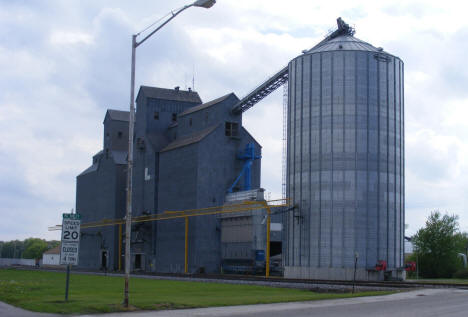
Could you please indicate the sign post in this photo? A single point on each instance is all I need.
(70, 244)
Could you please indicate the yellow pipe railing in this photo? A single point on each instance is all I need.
(167, 215)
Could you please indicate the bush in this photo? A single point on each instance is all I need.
(437, 246)
(463, 273)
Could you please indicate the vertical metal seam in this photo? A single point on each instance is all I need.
(402, 240)
(378, 160)
(388, 163)
(294, 165)
(396, 259)
(293, 105)
(332, 68)
(344, 168)
(320, 167)
(285, 238)
(367, 160)
(403, 139)
(310, 159)
(356, 215)
(291, 160)
(301, 219)
(285, 235)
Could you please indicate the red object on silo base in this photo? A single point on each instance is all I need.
(381, 265)
(410, 266)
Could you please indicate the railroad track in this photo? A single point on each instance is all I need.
(275, 279)
(389, 284)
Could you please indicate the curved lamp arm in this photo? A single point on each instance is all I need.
(199, 3)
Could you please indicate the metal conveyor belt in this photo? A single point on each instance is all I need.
(262, 91)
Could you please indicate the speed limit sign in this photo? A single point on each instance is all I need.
(70, 239)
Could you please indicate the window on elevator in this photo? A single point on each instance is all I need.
(231, 129)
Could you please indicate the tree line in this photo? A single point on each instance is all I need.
(31, 248)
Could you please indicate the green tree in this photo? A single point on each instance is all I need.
(33, 248)
(437, 246)
(12, 249)
(52, 244)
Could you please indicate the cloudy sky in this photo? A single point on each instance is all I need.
(63, 63)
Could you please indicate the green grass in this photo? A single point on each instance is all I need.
(44, 292)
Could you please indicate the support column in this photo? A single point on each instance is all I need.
(120, 247)
(186, 246)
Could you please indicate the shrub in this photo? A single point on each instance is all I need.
(463, 273)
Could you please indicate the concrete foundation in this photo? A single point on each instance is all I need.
(343, 274)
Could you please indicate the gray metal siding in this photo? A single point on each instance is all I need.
(100, 195)
(187, 177)
(204, 118)
(115, 135)
(177, 191)
(345, 160)
(197, 176)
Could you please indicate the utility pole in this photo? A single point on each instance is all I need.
(131, 123)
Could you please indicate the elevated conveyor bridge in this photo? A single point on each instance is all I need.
(270, 85)
(281, 77)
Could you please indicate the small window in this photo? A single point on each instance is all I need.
(119, 134)
(156, 115)
(232, 129)
(174, 117)
(190, 122)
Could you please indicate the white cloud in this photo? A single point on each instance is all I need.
(71, 37)
(63, 64)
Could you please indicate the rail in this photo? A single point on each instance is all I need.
(245, 206)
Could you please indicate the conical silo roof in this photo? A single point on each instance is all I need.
(342, 39)
(343, 42)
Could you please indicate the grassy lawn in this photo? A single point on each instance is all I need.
(44, 292)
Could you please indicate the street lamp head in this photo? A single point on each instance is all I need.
(204, 3)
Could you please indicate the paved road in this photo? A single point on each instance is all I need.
(12, 311)
(426, 302)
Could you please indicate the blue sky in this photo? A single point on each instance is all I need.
(63, 63)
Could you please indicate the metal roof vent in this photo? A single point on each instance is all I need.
(176, 88)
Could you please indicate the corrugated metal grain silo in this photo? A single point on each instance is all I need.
(345, 160)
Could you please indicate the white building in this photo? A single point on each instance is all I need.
(51, 257)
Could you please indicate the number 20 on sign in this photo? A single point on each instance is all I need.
(70, 239)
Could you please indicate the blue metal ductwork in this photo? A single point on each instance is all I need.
(248, 156)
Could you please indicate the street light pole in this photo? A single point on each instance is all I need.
(131, 125)
(128, 217)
